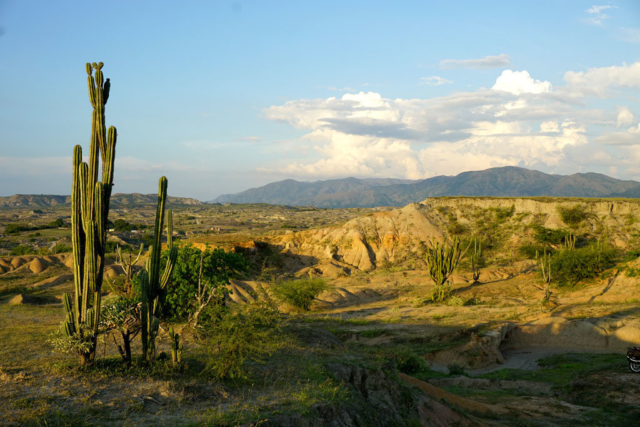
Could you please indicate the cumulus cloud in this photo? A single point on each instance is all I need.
(434, 81)
(519, 82)
(496, 61)
(519, 121)
(625, 116)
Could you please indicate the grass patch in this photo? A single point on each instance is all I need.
(561, 369)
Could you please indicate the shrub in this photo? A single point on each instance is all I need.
(56, 224)
(121, 226)
(61, 248)
(455, 228)
(239, 334)
(504, 213)
(218, 268)
(549, 236)
(21, 250)
(574, 215)
(531, 251)
(455, 369)
(16, 228)
(300, 293)
(568, 267)
(408, 362)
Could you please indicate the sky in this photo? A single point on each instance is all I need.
(222, 96)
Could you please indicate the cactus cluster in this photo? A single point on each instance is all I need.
(153, 284)
(89, 214)
(442, 259)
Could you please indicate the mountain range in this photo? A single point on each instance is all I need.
(117, 200)
(507, 181)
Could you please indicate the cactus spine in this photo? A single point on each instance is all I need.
(442, 259)
(154, 285)
(89, 214)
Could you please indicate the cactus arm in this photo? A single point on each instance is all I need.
(77, 234)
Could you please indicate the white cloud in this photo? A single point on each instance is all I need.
(598, 9)
(496, 61)
(434, 81)
(598, 16)
(630, 137)
(549, 127)
(598, 81)
(625, 116)
(520, 121)
(520, 82)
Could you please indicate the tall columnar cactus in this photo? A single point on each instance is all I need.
(442, 259)
(89, 214)
(153, 284)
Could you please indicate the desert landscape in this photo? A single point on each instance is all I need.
(493, 352)
(310, 214)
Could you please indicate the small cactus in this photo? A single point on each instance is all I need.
(154, 289)
(176, 347)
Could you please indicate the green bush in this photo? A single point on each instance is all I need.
(218, 267)
(568, 267)
(574, 215)
(61, 248)
(21, 250)
(531, 250)
(408, 362)
(239, 334)
(16, 228)
(549, 236)
(504, 213)
(300, 293)
(122, 226)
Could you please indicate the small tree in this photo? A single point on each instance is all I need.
(127, 263)
(442, 259)
(199, 280)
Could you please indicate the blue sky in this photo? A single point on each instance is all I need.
(223, 96)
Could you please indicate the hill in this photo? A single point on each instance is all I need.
(495, 182)
(117, 200)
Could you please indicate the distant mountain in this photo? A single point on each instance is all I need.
(117, 200)
(291, 192)
(496, 182)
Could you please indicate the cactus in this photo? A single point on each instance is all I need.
(442, 259)
(570, 242)
(476, 260)
(176, 347)
(89, 214)
(545, 267)
(154, 285)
